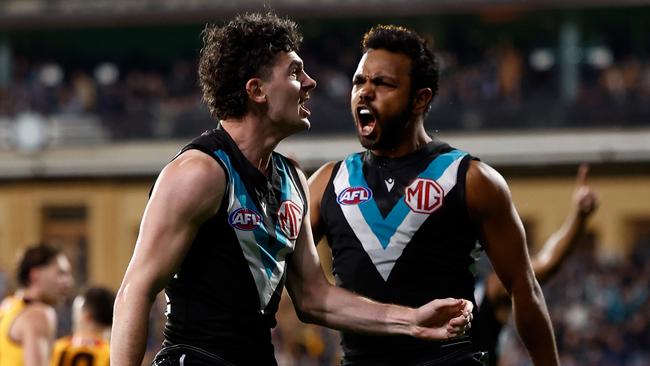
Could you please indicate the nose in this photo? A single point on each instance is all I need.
(309, 83)
(68, 281)
(366, 92)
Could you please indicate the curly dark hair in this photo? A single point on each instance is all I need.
(424, 66)
(36, 256)
(242, 49)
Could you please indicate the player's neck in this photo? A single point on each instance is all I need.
(92, 331)
(412, 141)
(253, 139)
(33, 294)
(83, 337)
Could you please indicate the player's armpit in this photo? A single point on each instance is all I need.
(317, 185)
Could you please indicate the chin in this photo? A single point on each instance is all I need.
(301, 126)
(305, 124)
(297, 127)
(367, 143)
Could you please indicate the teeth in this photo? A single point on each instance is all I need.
(364, 111)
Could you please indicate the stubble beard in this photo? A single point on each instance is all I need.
(392, 132)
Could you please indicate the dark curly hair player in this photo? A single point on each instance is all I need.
(231, 55)
(403, 218)
(226, 226)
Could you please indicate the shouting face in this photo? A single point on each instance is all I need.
(381, 98)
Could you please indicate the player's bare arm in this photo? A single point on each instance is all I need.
(35, 330)
(188, 191)
(583, 204)
(490, 205)
(317, 301)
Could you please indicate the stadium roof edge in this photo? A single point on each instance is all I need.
(39, 14)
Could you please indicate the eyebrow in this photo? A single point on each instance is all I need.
(381, 77)
(295, 63)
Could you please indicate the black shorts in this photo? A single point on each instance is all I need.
(461, 356)
(473, 359)
(186, 355)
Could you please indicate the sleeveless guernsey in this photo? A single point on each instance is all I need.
(223, 300)
(400, 233)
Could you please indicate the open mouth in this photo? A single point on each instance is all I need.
(304, 112)
(366, 120)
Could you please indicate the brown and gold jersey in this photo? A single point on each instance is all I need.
(11, 352)
(77, 351)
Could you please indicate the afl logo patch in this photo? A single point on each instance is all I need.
(354, 196)
(244, 219)
(424, 196)
(290, 219)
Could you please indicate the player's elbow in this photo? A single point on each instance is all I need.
(528, 292)
(135, 290)
(306, 315)
(310, 304)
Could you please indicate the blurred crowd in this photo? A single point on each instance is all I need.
(131, 103)
(504, 88)
(510, 89)
(600, 311)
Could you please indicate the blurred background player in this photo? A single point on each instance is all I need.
(92, 316)
(494, 303)
(28, 320)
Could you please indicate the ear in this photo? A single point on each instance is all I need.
(422, 99)
(33, 274)
(254, 90)
(85, 315)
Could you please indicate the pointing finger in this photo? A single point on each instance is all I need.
(581, 177)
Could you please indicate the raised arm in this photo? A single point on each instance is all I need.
(547, 261)
(188, 191)
(317, 301)
(583, 203)
(490, 204)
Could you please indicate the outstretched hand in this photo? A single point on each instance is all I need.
(442, 319)
(584, 197)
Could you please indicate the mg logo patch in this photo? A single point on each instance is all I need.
(244, 219)
(424, 195)
(290, 219)
(354, 196)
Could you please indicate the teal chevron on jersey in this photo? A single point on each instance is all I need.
(384, 228)
(384, 238)
(264, 246)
